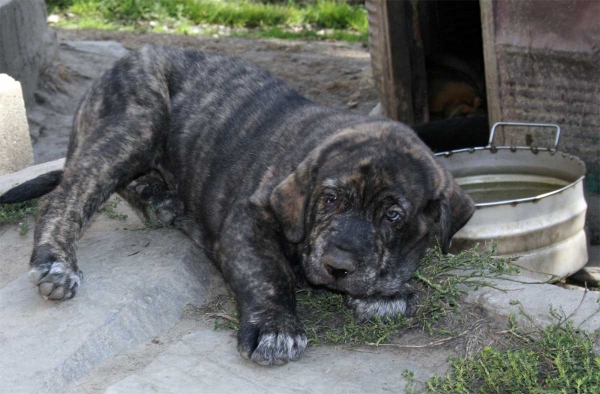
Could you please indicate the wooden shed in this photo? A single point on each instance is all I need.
(539, 60)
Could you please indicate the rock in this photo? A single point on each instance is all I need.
(78, 64)
(9, 180)
(590, 274)
(532, 304)
(136, 285)
(26, 42)
(208, 362)
(103, 48)
(15, 144)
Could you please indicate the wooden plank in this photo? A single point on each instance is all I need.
(398, 59)
(492, 81)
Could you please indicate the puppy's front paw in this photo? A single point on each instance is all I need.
(271, 338)
(55, 281)
(386, 308)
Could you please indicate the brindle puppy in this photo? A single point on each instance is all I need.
(270, 183)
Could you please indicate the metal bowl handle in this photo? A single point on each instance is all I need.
(557, 127)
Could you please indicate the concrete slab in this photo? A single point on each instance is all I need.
(60, 90)
(8, 181)
(137, 283)
(531, 304)
(15, 145)
(207, 362)
(27, 43)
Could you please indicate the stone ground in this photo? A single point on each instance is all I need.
(132, 328)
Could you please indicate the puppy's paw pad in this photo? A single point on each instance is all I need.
(55, 281)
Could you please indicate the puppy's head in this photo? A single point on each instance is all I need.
(365, 206)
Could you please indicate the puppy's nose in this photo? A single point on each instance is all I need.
(339, 263)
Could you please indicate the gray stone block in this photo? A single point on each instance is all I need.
(15, 145)
(10, 180)
(531, 304)
(26, 42)
(207, 362)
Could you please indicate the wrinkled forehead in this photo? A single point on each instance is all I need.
(382, 163)
(372, 180)
(367, 191)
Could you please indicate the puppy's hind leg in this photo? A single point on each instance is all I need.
(96, 169)
(116, 138)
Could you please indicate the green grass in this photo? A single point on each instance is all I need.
(277, 32)
(342, 21)
(441, 280)
(558, 359)
(110, 210)
(19, 213)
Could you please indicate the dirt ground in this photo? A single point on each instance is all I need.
(331, 73)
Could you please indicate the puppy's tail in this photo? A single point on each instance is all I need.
(34, 188)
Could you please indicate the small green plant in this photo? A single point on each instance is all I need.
(558, 359)
(15, 213)
(328, 321)
(24, 227)
(445, 278)
(109, 209)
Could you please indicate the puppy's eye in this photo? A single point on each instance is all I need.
(392, 214)
(330, 199)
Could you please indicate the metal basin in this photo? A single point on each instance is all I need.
(529, 200)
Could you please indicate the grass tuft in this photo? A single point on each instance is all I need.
(441, 280)
(559, 359)
(110, 210)
(15, 213)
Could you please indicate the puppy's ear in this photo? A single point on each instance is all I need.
(456, 208)
(289, 201)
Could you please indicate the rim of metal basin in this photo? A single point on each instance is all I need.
(533, 149)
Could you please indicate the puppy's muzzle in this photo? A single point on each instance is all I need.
(339, 263)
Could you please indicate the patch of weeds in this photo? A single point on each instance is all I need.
(110, 210)
(559, 359)
(441, 280)
(327, 321)
(15, 213)
(24, 227)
